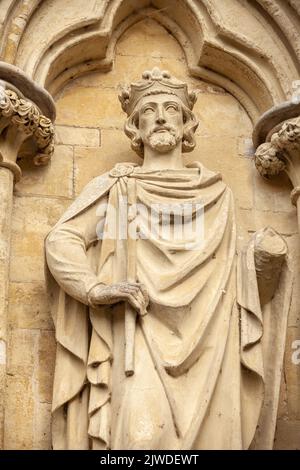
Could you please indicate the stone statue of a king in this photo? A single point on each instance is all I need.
(167, 336)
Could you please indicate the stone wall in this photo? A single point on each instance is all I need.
(89, 141)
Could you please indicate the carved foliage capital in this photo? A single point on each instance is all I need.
(273, 157)
(268, 160)
(27, 118)
(288, 136)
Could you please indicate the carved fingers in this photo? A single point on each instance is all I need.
(136, 294)
(133, 292)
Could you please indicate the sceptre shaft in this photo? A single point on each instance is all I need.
(130, 313)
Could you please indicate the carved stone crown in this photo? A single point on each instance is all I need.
(155, 82)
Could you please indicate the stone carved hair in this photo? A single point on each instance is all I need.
(131, 129)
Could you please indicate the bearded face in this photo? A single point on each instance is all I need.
(161, 122)
(163, 139)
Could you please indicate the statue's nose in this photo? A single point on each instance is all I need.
(160, 116)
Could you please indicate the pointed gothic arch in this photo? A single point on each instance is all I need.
(215, 50)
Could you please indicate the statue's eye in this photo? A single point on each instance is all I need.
(172, 108)
(148, 110)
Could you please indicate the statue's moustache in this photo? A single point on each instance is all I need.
(168, 128)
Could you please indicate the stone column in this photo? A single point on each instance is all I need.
(27, 113)
(276, 138)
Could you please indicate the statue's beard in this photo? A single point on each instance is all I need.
(164, 141)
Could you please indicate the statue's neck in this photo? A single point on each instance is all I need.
(154, 160)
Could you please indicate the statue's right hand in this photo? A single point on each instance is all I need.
(133, 292)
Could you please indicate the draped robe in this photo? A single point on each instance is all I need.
(199, 365)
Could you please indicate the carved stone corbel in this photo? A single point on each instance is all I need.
(27, 112)
(24, 130)
(276, 137)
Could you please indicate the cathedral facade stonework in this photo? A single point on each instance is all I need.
(62, 67)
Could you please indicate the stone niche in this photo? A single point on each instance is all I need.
(89, 141)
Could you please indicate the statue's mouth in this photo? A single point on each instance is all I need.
(161, 129)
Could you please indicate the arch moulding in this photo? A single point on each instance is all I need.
(259, 71)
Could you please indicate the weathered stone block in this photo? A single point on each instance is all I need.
(46, 362)
(150, 39)
(282, 405)
(272, 195)
(19, 413)
(2, 402)
(55, 179)
(245, 147)
(220, 115)
(42, 427)
(236, 171)
(32, 219)
(90, 107)
(22, 352)
(82, 136)
(29, 306)
(91, 162)
(284, 223)
(121, 73)
(287, 435)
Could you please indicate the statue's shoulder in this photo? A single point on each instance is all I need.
(93, 191)
(208, 177)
